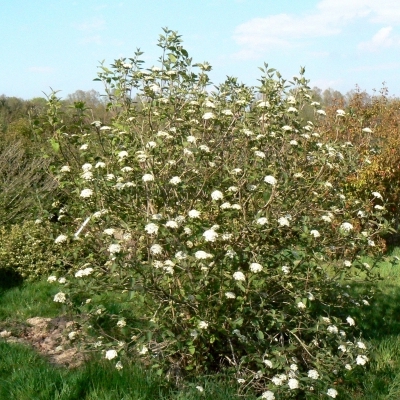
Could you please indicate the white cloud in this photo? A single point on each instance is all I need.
(382, 39)
(329, 18)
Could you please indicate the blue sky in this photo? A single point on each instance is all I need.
(59, 43)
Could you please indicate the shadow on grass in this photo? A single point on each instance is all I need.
(382, 317)
(9, 279)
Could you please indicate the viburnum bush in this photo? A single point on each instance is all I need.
(223, 232)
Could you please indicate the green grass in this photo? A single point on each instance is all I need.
(24, 374)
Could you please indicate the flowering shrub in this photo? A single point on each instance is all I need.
(223, 229)
(28, 249)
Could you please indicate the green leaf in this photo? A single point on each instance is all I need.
(55, 145)
(260, 335)
(171, 57)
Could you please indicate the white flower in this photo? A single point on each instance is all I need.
(62, 280)
(285, 269)
(378, 207)
(282, 221)
(100, 164)
(180, 255)
(278, 380)
(371, 243)
(86, 193)
(210, 235)
(202, 325)
(202, 255)
(255, 267)
(321, 112)
(51, 279)
(225, 206)
(227, 112)
(262, 221)
(122, 154)
(226, 236)
(286, 128)
(172, 224)
(350, 321)
(191, 139)
(60, 239)
(346, 226)
(126, 169)
(293, 383)
(60, 297)
(292, 109)
(347, 263)
(119, 365)
(263, 104)
(367, 130)
(83, 272)
(156, 249)
(313, 374)
(361, 360)
(301, 305)
(260, 154)
(315, 233)
(86, 167)
(241, 380)
(143, 350)
(340, 113)
(332, 329)
(230, 295)
(194, 214)
(151, 228)
(293, 142)
(361, 345)
(270, 179)
(217, 195)
(111, 354)
(200, 388)
(105, 128)
(377, 195)
(208, 115)
(342, 348)
(148, 177)
(268, 395)
(65, 168)
(268, 363)
(110, 177)
(348, 367)
(205, 148)
(236, 171)
(84, 147)
(114, 248)
(239, 276)
(109, 231)
(332, 393)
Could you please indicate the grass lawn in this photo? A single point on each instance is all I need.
(24, 374)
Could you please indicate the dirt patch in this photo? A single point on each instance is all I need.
(52, 337)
